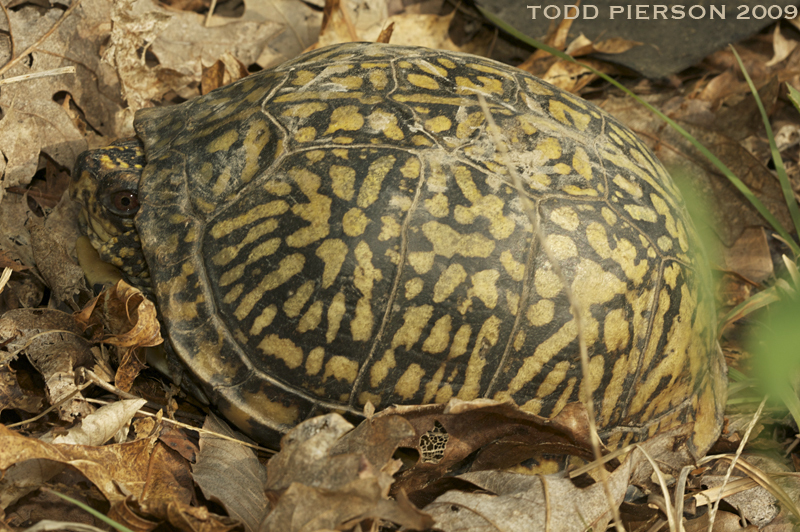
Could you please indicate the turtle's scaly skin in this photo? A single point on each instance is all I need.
(342, 229)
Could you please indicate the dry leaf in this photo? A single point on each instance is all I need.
(55, 346)
(230, 473)
(102, 425)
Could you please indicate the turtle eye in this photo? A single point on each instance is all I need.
(125, 202)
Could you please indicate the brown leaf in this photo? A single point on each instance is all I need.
(750, 256)
(509, 502)
(56, 266)
(131, 321)
(230, 473)
(302, 507)
(489, 434)
(12, 396)
(312, 487)
(55, 346)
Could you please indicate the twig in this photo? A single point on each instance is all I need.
(31, 48)
(34, 75)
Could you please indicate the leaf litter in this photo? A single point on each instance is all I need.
(454, 465)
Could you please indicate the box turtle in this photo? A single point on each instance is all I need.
(343, 229)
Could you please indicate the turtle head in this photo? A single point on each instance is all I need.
(106, 182)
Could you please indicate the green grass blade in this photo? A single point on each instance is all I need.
(740, 186)
(786, 186)
(103, 518)
(794, 96)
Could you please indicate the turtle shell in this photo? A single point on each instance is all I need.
(346, 228)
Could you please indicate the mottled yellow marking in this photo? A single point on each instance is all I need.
(582, 164)
(373, 182)
(472, 122)
(282, 348)
(448, 281)
(664, 243)
(414, 287)
(277, 187)
(389, 229)
(263, 320)
(559, 110)
(544, 352)
(332, 252)
(562, 247)
(222, 182)
(223, 142)
(628, 186)
(615, 388)
(342, 180)
(432, 386)
(305, 109)
(423, 82)
(233, 294)
(540, 313)
(345, 118)
(674, 228)
(311, 318)
(536, 87)
(335, 312)
(363, 278)
(305, 134)
(401, 202)
(429, 99)
(227, 226)
(421, 140)
(616, 331)
(547, 282)
(641, 213)
(487, 338)
(488, 85)
(489, 206)
(448, 242)
(414, 321)
(552, 379)
(351, 83)
(562, 168)
(680, 347)
(421, 261)
(512, 298)
(386, 123)
(288, 268)
(439, 338)
(549, 148)
(381, 368)
(303, 77)
(566, 218)
(354, 222)
(572, 190)
(460, 342)
(484, 287)
(445, 62)
(609, 216)
(317, 211)
(671, 274)
(294, 305)
(437, 205)
(515, 269)
(262, 250)
(408, 384)
(438, 124)
(314, 360)
(378, 79)
(411, 168)
(341, 368)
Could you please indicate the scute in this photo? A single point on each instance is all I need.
(342, 229)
